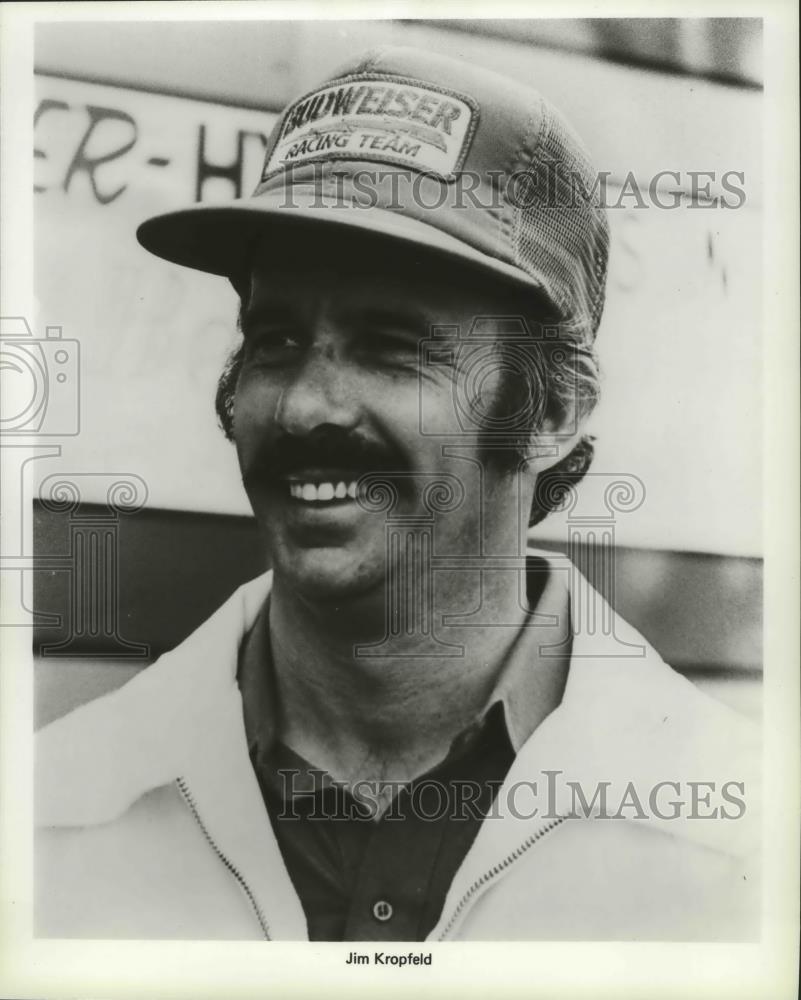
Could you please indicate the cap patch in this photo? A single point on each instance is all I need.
(387, 119)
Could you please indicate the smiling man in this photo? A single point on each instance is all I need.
(399, 733)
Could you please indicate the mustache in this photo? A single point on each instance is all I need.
(324, 448)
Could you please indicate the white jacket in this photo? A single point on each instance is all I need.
(151, 823)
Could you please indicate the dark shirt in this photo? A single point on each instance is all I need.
(365, 879)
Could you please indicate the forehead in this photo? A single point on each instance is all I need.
(354, 273)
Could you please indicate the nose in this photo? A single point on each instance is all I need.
(321, 391)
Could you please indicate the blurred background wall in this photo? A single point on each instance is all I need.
(138, 118)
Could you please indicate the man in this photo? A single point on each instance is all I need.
(402, 732)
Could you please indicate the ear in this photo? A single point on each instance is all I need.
(553, 441)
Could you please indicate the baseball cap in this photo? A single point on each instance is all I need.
(423, 150)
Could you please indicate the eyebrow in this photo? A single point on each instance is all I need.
(406, 318)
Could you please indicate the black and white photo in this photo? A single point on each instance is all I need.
(385, 503)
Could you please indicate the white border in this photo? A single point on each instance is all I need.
(181, 969)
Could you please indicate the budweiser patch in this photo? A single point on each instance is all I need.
(387, 119)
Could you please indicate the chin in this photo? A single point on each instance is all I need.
(329, 574)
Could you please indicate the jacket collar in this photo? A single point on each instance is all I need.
(93, 763)
(625, 717)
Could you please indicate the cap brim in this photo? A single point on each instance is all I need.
(220, 239)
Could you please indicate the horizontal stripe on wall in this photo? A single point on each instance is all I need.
(172, 569)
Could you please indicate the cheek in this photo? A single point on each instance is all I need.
(437, 408)
(464, 397)
(253, 418)
(476, 385)
(388, 406)
(255, 402)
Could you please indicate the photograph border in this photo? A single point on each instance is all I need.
(55, 968)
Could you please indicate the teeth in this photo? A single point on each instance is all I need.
(322, 492)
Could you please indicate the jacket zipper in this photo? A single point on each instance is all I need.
(479, 884)
(189, 799)
(493, 873)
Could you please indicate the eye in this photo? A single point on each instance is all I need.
(272, 345)
(392, 347)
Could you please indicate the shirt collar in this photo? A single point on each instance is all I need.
(256, 680)
(533, 676)
(529, 686)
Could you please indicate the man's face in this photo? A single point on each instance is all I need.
(332, 388)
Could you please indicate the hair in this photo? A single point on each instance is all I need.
(561, 383)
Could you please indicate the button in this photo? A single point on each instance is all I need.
(382, 910)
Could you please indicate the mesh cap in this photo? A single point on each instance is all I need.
(425, 150)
